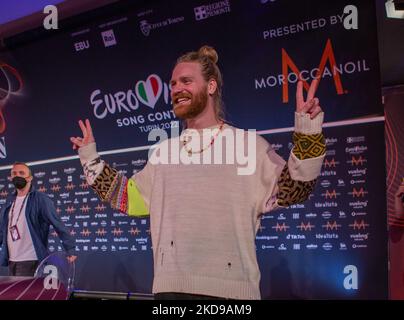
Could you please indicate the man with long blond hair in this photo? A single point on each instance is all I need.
(204, 216)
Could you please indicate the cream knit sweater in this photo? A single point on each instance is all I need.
(204, 217)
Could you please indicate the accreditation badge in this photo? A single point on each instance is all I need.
(15, 234)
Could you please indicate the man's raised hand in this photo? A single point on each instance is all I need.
(312, 104)
(87, 138)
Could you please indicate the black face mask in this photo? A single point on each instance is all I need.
(19, 182)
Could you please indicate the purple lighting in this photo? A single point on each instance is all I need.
(11, 10)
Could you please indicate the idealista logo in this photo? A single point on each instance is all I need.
(334, 70)
(211, 10)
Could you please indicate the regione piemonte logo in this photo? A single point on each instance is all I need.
(211, 10)
(108, 37)
(200, 13)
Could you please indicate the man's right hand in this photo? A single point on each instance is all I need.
(87, 138)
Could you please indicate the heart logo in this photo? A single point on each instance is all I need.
(149, 91)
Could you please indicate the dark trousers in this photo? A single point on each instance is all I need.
(183, 296)
(22, 268)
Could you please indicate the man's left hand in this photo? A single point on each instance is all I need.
(312, 104)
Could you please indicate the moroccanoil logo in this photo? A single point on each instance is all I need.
(330, 163)
(358, 193)
(359, 225)
(331, 226)
(330, 194)
(328, 67)
(328, 55)
(357, 161)
(305, 227)
(281, 227)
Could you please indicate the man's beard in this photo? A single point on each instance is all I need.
(194, 108)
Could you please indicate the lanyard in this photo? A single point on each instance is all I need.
(19, 213)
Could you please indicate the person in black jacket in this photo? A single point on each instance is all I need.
(24, 226)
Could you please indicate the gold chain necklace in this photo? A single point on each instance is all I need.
(190, 152)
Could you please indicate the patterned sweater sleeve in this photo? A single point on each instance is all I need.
(130, 196)
(298, 176)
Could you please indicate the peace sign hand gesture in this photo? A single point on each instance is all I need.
(87, 138)
(312, 104)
